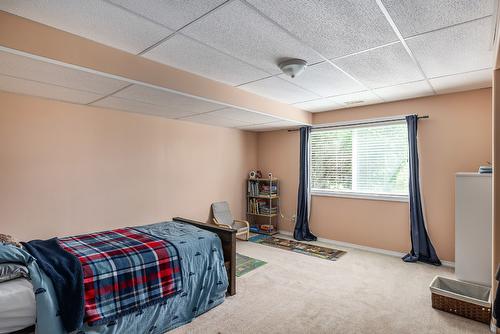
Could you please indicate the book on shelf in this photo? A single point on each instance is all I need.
(259, 189)
(260, 207)
(268, 190)
(253, 189)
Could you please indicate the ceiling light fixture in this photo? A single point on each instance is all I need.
(293, 67)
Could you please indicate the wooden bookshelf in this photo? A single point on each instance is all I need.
(262, 215)
(263, 196)
(263, 205)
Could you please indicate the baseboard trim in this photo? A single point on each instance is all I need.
(367, 248)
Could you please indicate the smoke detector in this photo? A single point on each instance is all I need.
(293, 67)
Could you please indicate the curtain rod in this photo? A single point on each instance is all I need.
(361, 123)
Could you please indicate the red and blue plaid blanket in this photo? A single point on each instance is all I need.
(124, 270)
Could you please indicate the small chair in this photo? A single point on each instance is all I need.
(224, 218)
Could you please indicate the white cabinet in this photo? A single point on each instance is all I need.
(473, 228)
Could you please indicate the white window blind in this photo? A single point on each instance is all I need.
(369, 160)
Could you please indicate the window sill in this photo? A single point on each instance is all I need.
(375, 197)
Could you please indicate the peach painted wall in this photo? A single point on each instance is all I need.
(456, 138)
(67, 169)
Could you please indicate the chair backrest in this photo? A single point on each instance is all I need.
(222, 213)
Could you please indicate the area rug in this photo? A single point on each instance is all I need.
(298, 247)
(245, 264)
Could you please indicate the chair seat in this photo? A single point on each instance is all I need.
(239, 226)
(223, 217)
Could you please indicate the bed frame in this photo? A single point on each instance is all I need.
(228, 239)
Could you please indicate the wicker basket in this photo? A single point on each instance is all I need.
(461, 298)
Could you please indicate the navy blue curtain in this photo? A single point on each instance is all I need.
(302, 231)
(421, 246)
(496, 304)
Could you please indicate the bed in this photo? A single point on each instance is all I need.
(17, 305)
(207, 257)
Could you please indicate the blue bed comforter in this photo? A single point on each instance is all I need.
(204, 276)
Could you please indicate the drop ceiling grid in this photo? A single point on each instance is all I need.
(442, 52)
(203, 43)
(435, 15)
(182, 107)
(473, 80)
(93, 19)
(180, 31)
(403, 42)
(133, 106)
(121, 4)
(337, 105)
(209, 12)
(176, 15)
(150, 50)
(22, 67)
(110, 94)
(220, 5)
(213, 10)
(41, 89)
(208, 61)
(243, 120)
(326, 59)
(177, 31)
(243, 116)
(400, 38)
(130, 97)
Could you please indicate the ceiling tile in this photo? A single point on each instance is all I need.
(239, 31)
(138, 107)
(457, 49)
(37, 70)
(325, 80)
(279, 89)
(418, 16)
(214, 120)
(318, 105)
(385, 66)
(332, 27)
(405, 91)
(243, 115)
(271, 126)
(93, 19)
(27, 87)
(463, 81)
(161, 98)
(356, 99)
(187, 54)
(339, 102)
(173, 14)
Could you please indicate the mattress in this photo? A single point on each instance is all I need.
(17, 309)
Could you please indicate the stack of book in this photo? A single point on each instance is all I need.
(260, 207)
(268, 190)
(266, 210)
(253, 189)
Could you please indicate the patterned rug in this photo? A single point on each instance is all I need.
(245, 264)
(298, 247)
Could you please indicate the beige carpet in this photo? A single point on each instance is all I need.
(362, 292)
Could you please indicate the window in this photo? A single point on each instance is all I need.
(361, 161)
